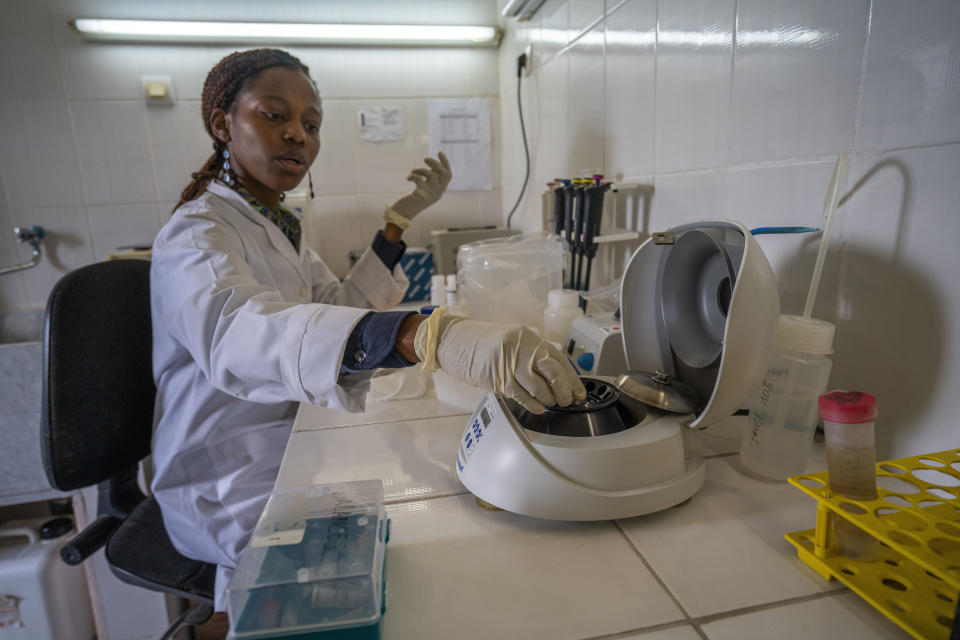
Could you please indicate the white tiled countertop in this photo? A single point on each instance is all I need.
(717, 567)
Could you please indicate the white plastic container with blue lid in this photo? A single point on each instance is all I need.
(314, 567)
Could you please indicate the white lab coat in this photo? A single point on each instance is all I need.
(244, 328)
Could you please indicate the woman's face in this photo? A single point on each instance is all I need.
(273, 132)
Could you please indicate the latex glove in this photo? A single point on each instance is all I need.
(430, 185)
(507, 358)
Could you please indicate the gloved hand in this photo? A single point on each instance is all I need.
(431, 183)
(506, 358)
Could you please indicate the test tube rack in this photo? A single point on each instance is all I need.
(915, 581)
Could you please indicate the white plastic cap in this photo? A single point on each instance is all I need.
(451, 282)
(808, 335)
(560, 298)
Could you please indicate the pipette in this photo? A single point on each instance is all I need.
(591, 229)
(558, 208)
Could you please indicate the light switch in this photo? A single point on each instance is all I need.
(156, 89)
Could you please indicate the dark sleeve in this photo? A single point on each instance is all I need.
(371, 345)
(389, 252)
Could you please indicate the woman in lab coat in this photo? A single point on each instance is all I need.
(248, 321)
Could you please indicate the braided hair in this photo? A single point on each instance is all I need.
(225, 82)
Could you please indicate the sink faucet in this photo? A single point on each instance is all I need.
(32, 235)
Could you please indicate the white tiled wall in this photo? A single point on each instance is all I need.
(732, 108)
(738, 109)
(84, 156)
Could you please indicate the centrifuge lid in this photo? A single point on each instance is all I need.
(659, 390)
(700, 303)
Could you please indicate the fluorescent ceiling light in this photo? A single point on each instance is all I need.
(275, 32)
(521, 9)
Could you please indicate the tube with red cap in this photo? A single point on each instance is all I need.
(848, 424)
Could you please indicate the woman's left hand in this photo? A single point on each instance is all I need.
(430, 185)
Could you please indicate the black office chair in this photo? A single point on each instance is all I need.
(97, 424)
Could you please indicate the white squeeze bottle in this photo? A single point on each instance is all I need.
(783, 413)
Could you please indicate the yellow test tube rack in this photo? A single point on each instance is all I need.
(914, 579)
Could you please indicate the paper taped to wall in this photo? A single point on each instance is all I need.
(380, 124)
(461, 129)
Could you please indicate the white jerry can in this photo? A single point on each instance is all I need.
(41, 597)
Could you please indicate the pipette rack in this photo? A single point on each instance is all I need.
(914, 578)
(625, 221)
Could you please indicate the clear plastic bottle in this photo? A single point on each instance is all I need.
(563, 305)
(783, 412)
(438, 295)
(451, 289)
(848, 426)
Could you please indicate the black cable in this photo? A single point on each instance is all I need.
(521, 63)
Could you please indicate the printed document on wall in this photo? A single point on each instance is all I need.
(380, 124)
(461, 129)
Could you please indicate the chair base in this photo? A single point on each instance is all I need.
(195, 615)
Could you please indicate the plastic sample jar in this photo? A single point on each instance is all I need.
(783, 411)
(563, 305)
(848, 424)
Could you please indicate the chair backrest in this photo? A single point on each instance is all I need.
(98, 391)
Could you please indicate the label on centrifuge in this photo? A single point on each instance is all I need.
(472, 435)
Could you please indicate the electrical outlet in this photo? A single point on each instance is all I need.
(528, 51)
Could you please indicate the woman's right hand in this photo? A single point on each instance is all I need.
(507, 358)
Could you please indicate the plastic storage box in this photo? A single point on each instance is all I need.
(314, 567)
(417, 264)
